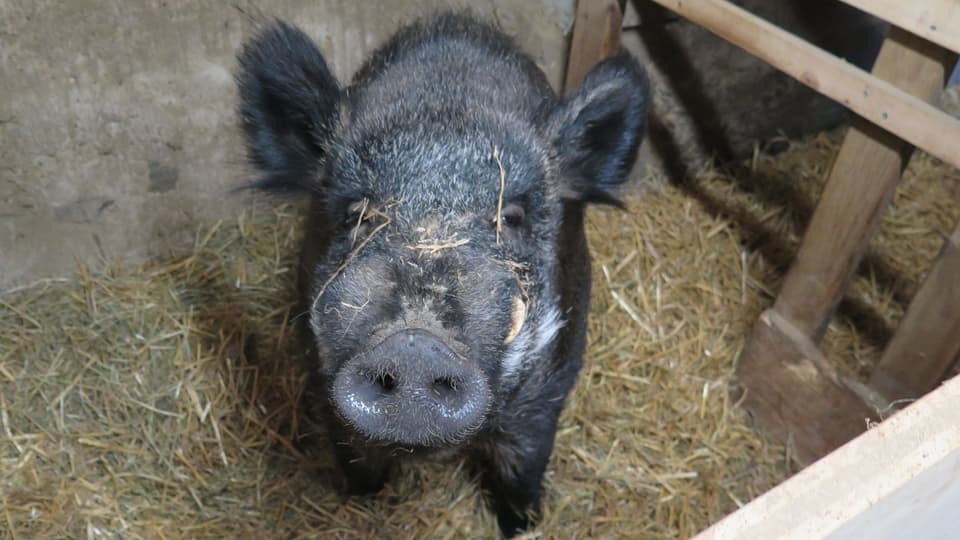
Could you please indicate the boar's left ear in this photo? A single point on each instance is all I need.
(288, 104)
(597, 130)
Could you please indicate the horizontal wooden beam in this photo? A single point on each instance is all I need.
(897, 480)
(937, 21)
(879, 102)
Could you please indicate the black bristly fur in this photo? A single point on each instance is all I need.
(413, 137)
(288, 103)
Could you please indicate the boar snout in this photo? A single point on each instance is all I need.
(412, 389)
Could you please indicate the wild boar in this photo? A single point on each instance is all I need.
(444, 275)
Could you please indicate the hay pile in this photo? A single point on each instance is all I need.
(161, 401)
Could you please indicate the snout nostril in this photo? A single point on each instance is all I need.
(412, 389)
(386, 381)
(445, 387)
(373, 385)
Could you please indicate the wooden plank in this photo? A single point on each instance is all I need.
(919, 509)
(794, 394)
(928, 339)
(862, 181)
(791, 396)
(897, 480)
(596, 36)
(937, 21)
(876, 100)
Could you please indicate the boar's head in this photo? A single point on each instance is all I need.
(439, 179)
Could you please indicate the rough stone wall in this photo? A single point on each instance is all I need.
(118, 135)
(117, 126)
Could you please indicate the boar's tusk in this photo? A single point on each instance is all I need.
(519, 315)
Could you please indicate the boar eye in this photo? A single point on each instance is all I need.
(512, 216)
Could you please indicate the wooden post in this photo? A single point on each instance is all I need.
(794, 394)
(790, 393)
(928, 339)
(862, 182)
(788, 387)
(596, 36)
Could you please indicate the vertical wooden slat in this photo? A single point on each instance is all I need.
(862, 181)
(596, 36)
(928, 339)
(791, 394)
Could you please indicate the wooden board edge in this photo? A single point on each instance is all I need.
(833, 492)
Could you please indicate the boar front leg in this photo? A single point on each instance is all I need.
(364, 472)
(513, 467)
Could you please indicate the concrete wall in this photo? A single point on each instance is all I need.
(117, 126)
(118, 136)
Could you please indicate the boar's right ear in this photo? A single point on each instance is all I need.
(288, 104)
(597, 130)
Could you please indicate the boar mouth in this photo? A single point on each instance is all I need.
(411, 389)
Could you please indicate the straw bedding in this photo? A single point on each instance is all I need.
(164, 400)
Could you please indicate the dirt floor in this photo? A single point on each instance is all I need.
(164, 400)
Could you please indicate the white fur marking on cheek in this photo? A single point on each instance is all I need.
(549, 327)
(513, 359)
